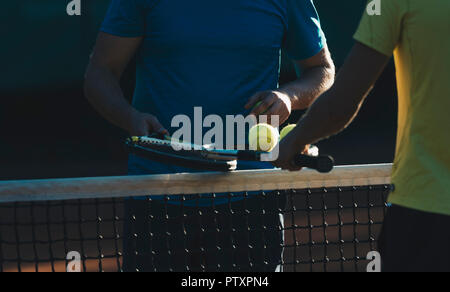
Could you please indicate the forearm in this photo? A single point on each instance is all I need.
(326, 117)
(336, 109)
(313, 83)
(103, 91)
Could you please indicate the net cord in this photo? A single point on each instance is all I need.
(190, 183)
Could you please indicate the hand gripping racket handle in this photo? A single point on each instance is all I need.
(321, 163)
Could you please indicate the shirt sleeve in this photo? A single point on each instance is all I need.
(124, 18)
(304, 37)
(382, 32)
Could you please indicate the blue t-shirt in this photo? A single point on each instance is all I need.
(210, 54)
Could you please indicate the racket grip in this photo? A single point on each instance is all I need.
(323, 163)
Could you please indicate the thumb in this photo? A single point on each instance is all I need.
(155, 126)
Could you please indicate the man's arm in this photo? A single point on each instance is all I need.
(102, 85)
(318, 74)
(337, 108)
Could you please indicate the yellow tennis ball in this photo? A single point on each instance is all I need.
(263, 137)
(286, 130)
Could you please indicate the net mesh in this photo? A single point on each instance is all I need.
(327, 228)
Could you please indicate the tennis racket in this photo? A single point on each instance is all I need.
(205, 157)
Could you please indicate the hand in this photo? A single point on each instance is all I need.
(142, 124)
(289, 149)
(273, 103)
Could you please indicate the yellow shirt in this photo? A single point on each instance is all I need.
(418, 33)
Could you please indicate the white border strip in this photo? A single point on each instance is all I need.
(190, 183)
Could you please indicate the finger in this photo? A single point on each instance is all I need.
(155, 126)
(306, 150)
(276, 110)
(286, 166)
(161, 133)
(265, 105)
(143, 130)
(161, 130)
(253, 100)
(277, 164)
(137, 133)
(164, 132)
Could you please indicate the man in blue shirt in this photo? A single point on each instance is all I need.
(222, 56)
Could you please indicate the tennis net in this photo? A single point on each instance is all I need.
(195, 222)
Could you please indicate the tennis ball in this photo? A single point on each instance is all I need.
(286, 130)
(263, 137)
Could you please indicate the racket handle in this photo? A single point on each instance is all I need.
(321, 163)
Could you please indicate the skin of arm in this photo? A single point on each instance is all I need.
(318, 74)
(336, 109)
(102, 85)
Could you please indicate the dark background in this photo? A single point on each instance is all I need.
(48, 129)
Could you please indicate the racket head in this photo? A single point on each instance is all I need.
(168, 152)
(188, 155)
